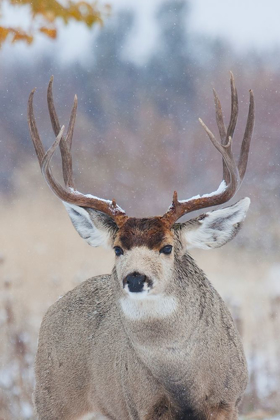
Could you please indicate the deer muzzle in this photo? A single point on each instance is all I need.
(136, 282)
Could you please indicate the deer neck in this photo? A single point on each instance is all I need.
(162, 338)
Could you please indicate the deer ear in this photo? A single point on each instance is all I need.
(97, 228)
(213, 229)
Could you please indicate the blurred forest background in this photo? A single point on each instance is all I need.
(137, 138)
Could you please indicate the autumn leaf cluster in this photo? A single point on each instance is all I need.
(44, 15)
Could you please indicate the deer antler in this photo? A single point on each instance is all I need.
(69, 194)
(233, 173)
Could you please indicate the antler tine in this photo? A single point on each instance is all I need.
(46, 171)
(65, 148)
(234, 108)
(56, 187)
(70, 130)
(228, 161)
(65, 144)
(244, 153)
(52, 111)
(232, 173)
(38, 146)
(225, 134)
(220, 118)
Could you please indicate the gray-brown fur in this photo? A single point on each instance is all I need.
(91, 358)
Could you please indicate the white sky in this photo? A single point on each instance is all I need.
(245, 23)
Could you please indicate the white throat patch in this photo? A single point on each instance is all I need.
(93, 416)
(152, 306)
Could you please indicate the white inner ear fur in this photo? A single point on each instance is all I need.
(216, 228)
(95, 234)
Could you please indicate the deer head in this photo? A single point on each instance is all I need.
(147, 248)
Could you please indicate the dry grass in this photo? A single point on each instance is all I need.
(42, 257)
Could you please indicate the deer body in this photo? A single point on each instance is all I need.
(102, 361)
(153, 340)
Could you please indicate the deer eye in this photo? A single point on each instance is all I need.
(118, 250)
(167, 249)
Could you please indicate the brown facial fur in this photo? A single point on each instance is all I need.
(153, 233)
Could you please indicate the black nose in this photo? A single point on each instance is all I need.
(135, 282)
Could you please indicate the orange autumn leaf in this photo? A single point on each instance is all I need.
(19, 35)
(4, 32)
(51, 33)
(15, 35)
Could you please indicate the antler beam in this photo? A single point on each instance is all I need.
(69, 194)
(233, 173)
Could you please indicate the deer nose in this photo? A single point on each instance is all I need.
(135, 282)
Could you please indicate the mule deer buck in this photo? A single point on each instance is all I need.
(153, 339)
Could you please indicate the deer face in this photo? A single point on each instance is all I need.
(145, 249)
